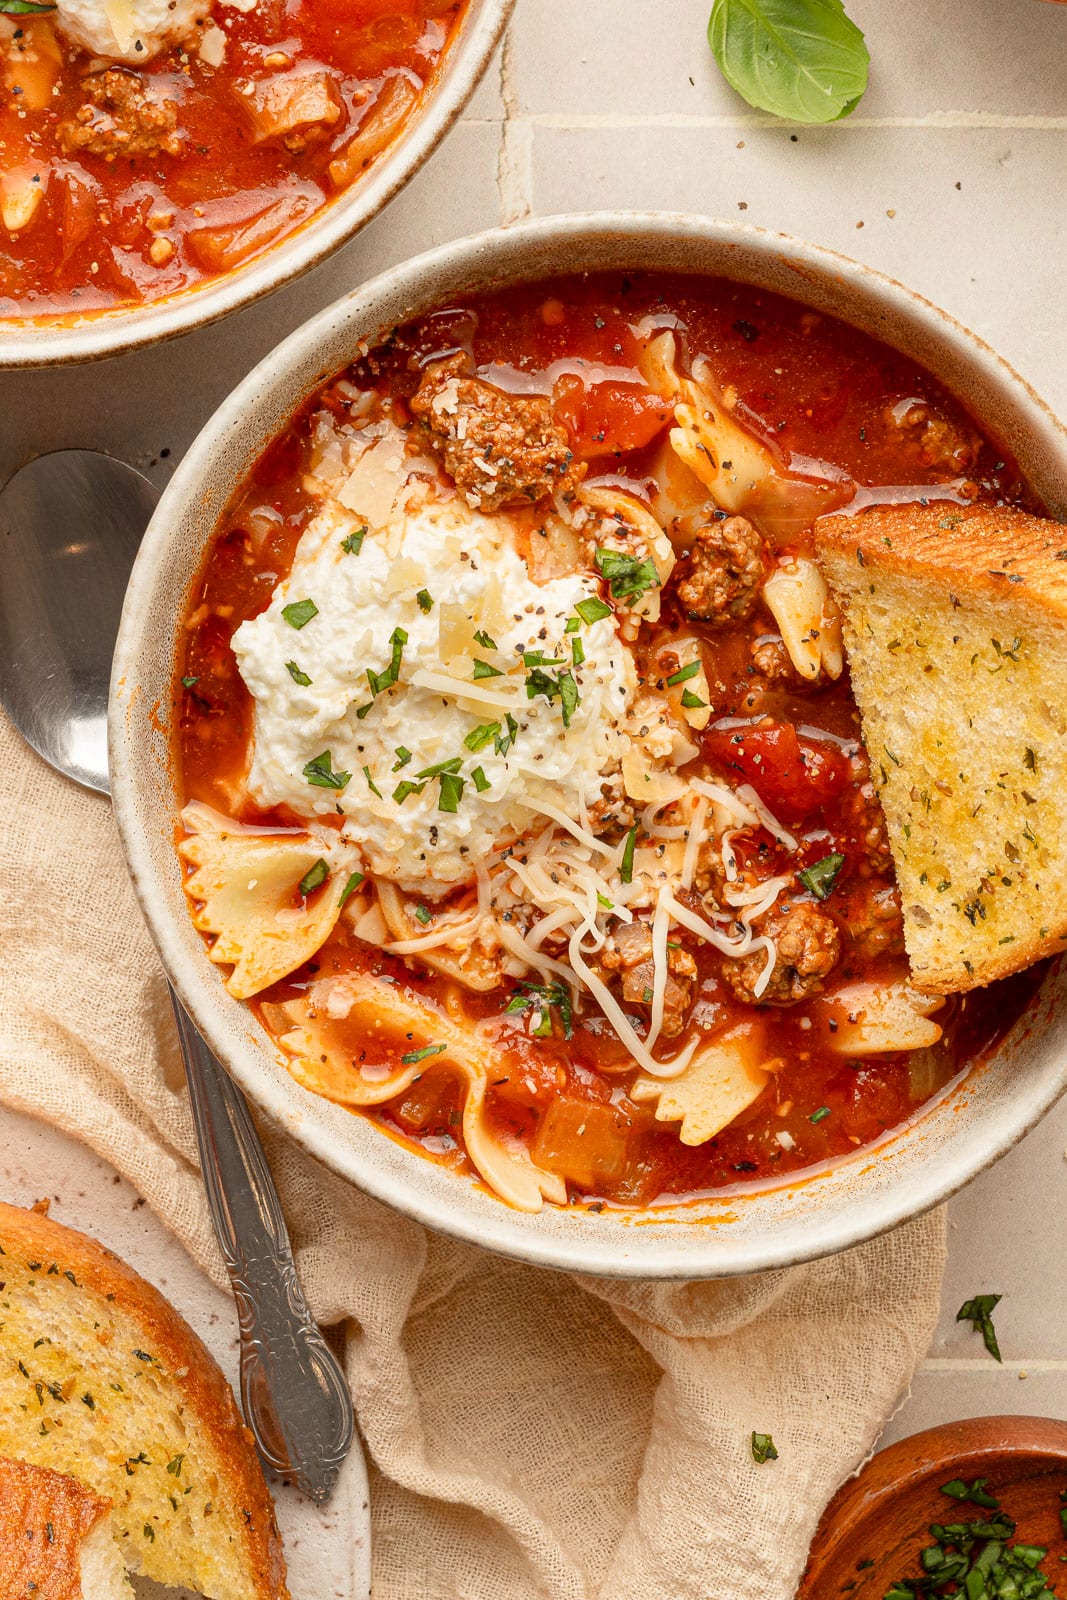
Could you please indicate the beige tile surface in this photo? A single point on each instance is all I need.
(963, 138)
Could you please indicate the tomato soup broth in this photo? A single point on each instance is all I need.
(125, 179)
(559, 406)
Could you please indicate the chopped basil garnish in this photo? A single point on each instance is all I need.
(423, 915)
(300, 613)
(412, 1056)
(380, 681)
(371, 785)
(979, 1313)
(424, 600)
(974, 1560)
(23, 8)
(482, 638)
(628, 578)
(683, 674)
(314, 877)
(404, 788)
(403, 756)
(354, 543)
(320, 773)
(481, 782)
(350, 888)
(441, 767)
(573, 624)
(820, 878)
(451, 792)
(577, 652)
(482, 669)
(820, 1115)
(543, 999)
(593, 609)
(502, 744)
(691, 701)
(763, 1448)
(189, 683)
(626, 871)
(479, 737)
(362, 711)
(976, 1492)
(297, 676)
(562, 687)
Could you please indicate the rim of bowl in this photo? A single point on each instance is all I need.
(112, 333)
(615, 1244)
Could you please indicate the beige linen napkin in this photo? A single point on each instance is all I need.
(533, 1437)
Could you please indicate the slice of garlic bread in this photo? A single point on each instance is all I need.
(956, 633)
(101, 1380)
(55, 1538)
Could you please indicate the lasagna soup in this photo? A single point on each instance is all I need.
(147, 145)
(525, 800)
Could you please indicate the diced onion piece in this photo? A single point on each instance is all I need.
(722, 1080)
(807, 618)
(878, 1019)
(395, 102)
(21, 193)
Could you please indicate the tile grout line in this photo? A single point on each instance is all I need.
(514, 173)
(521, 127)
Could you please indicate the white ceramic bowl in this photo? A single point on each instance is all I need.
(111, 333)
(970, 1126)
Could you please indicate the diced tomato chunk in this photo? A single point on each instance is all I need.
(608, 417)
(794, 776)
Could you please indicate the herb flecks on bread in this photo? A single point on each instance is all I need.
(101, 1379)
(956, 632)
(55, 1538)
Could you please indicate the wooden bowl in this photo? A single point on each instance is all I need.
(883, 1516)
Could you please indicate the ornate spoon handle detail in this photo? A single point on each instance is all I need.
(294, 1393)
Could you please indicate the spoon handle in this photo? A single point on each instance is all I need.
(294, 1393)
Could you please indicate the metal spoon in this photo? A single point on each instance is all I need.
(70, 525)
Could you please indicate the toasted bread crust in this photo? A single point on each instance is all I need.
(31, 1239)
(45, 1518)
(989, 553)
(956, 630)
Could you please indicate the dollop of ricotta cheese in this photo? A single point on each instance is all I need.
(453, 757)
(130, 30)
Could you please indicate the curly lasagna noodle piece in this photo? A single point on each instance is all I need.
(501, 450)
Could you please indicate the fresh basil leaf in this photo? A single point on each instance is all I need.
(412, 1056)
(482, 638)
(300, 613)
(482, 669)
(628, 578)
(804, 60)
(403, 756)
(350, 888)
(314, 877)
(297, 676)
(451, 792)
(371, 785)
(820, 877)
(543, 999)
(481, 782)
(406, 787)
(692, 702)
(425, 600)
(319, 772)
(684, 674)
(354, 543)
(23, 8)
(626, 870)
(424, 915)
(479, 737)
(189, 683)
(763, 1448)
(591, 610)
(979, 1313)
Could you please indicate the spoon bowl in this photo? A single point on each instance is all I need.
(70, 526)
